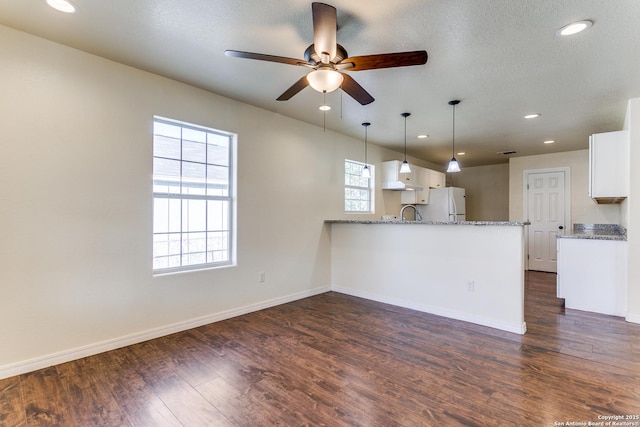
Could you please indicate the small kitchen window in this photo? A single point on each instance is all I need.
(193, 197)
(358, 191)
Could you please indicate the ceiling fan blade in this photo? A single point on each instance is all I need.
(325, 26)
(384, 60)
(297, 87)
(356, 91)
(263, 57)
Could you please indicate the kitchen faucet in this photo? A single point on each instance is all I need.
(418, 216)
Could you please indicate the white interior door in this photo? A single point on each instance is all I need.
(545, 193)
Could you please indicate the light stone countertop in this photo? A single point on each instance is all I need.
(597, 232)
(396, 221)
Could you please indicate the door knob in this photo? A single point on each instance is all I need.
(561, 227)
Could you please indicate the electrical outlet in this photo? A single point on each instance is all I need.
(262, 277)
(471, 286)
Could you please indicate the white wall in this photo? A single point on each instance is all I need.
(487, 191)
(428, 267)
(75, 250)
(583, 208)
(631, 213)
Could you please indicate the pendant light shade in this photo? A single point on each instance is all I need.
(453, 164)
(366, 173)
(405, 168)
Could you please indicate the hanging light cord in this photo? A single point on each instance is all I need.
(365, 142)
(324, 112)
(405, 138)
(453, 142)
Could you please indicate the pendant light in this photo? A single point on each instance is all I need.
(453, 164)
(405, 165)
(366, 173)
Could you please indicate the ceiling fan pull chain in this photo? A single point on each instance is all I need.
(324, 112)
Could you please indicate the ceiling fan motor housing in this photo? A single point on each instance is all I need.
(311, 56)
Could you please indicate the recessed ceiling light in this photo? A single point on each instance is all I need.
(62, 5)
(549, 141)
(423, 136)
(532, 115)
(324, 108)
(574, 28)
(462, 153)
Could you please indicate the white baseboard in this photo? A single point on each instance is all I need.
(452, 314)
(45, 361)
(632, 318)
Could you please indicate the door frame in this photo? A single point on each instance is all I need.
(525, 200)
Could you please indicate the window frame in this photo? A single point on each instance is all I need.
(370, 187)
(230, 199)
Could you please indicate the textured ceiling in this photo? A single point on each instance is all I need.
(500, 57)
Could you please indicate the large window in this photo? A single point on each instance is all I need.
(358, 191)
(192, 196)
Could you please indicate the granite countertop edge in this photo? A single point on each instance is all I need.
(391, 221)
(618, 237)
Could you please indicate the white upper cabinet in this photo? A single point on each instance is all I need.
(415, 185)
(392, 179)
(609, 166)
(437, 179)
(418, 197)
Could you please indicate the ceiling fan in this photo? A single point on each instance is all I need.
(327, 58)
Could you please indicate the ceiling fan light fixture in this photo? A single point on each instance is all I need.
(325, 80)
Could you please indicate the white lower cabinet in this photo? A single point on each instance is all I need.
(592, 275)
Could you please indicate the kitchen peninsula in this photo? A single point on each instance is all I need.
(471, 271)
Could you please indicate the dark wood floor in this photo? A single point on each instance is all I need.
(337, 360)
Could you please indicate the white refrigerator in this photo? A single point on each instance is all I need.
(445, 205)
